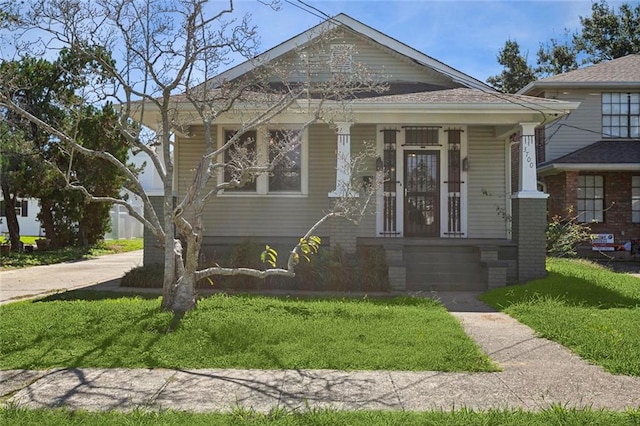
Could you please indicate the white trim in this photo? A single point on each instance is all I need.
(443, 165)
(343, 161)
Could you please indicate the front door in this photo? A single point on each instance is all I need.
(421, 193)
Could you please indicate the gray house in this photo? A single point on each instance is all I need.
(443, 139)
(590, 160)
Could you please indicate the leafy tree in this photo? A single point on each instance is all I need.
(172, 52)
(47, 89)
(556, 58)
(516, 73)
(608, 34)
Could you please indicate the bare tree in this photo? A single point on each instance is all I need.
(167, 57)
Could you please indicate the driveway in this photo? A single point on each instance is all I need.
(36, 281)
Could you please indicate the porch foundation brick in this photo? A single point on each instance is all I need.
(398, 278)
(529, 224)
(343, 233)
(153, 251)
(496, 274)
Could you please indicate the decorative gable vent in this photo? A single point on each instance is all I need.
(341, 58)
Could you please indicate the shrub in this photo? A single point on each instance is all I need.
(563, 234)
(149, 276)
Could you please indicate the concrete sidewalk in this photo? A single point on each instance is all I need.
(536, 374)
(36, 281)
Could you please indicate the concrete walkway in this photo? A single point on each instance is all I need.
(36, 281)
(536, 374)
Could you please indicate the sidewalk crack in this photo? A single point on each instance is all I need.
(396, 391)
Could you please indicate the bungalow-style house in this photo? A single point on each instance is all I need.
(590, 161)
(445, 215)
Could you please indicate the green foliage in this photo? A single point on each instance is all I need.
(147, 276)
(588, 308)
(563, 234)
(236, 332)
(269, 255)
(48, 91)
(554, 415)
(556, 57)
(608, 34)
(516, 73)
(604, 35)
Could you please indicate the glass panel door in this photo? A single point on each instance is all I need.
(421, 194)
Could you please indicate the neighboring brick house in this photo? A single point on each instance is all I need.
(591, 158)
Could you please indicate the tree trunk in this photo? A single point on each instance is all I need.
(12, 218)
(46, 217)
(185, 295)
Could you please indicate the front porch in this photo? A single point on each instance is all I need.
(435, 264)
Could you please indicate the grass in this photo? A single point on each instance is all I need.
(591, 310)
(66, 254)
(236, 332)
(552, 416)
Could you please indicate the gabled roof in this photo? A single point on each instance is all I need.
(618, 73)
(607, 154)
(364, 31)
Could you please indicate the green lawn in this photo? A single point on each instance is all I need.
(591, 310)
(236, 332)
(66, 254)
(552, 416)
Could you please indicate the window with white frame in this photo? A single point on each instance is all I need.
(281, 147)
(341, 58)
(635, 199)
(285, 154)
(621, 115)
(238, 157)
(590, 199)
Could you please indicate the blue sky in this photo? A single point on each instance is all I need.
(463, 34)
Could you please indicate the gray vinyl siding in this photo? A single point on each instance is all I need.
(276, 216)
(486, 175)
(580, 128)
(384, 63)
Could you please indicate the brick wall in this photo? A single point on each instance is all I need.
(563, 193)
(563, 190)
(617, 202)
(529, 224)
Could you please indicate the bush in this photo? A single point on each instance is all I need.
(327, 270)
(144, 277)
(563, 234)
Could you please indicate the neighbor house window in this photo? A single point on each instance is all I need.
(285, 147)
(590, 199)
(621, 115)
(22, 208)
(239, 156)
(635, 199)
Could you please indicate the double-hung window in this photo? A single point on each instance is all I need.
(590, 199)
(238, 157)
(282, 148)
(621, 115)
(285, 155)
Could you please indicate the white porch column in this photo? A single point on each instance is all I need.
(343, 161)
(528, 182)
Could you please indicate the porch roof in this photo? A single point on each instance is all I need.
(604, 155)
